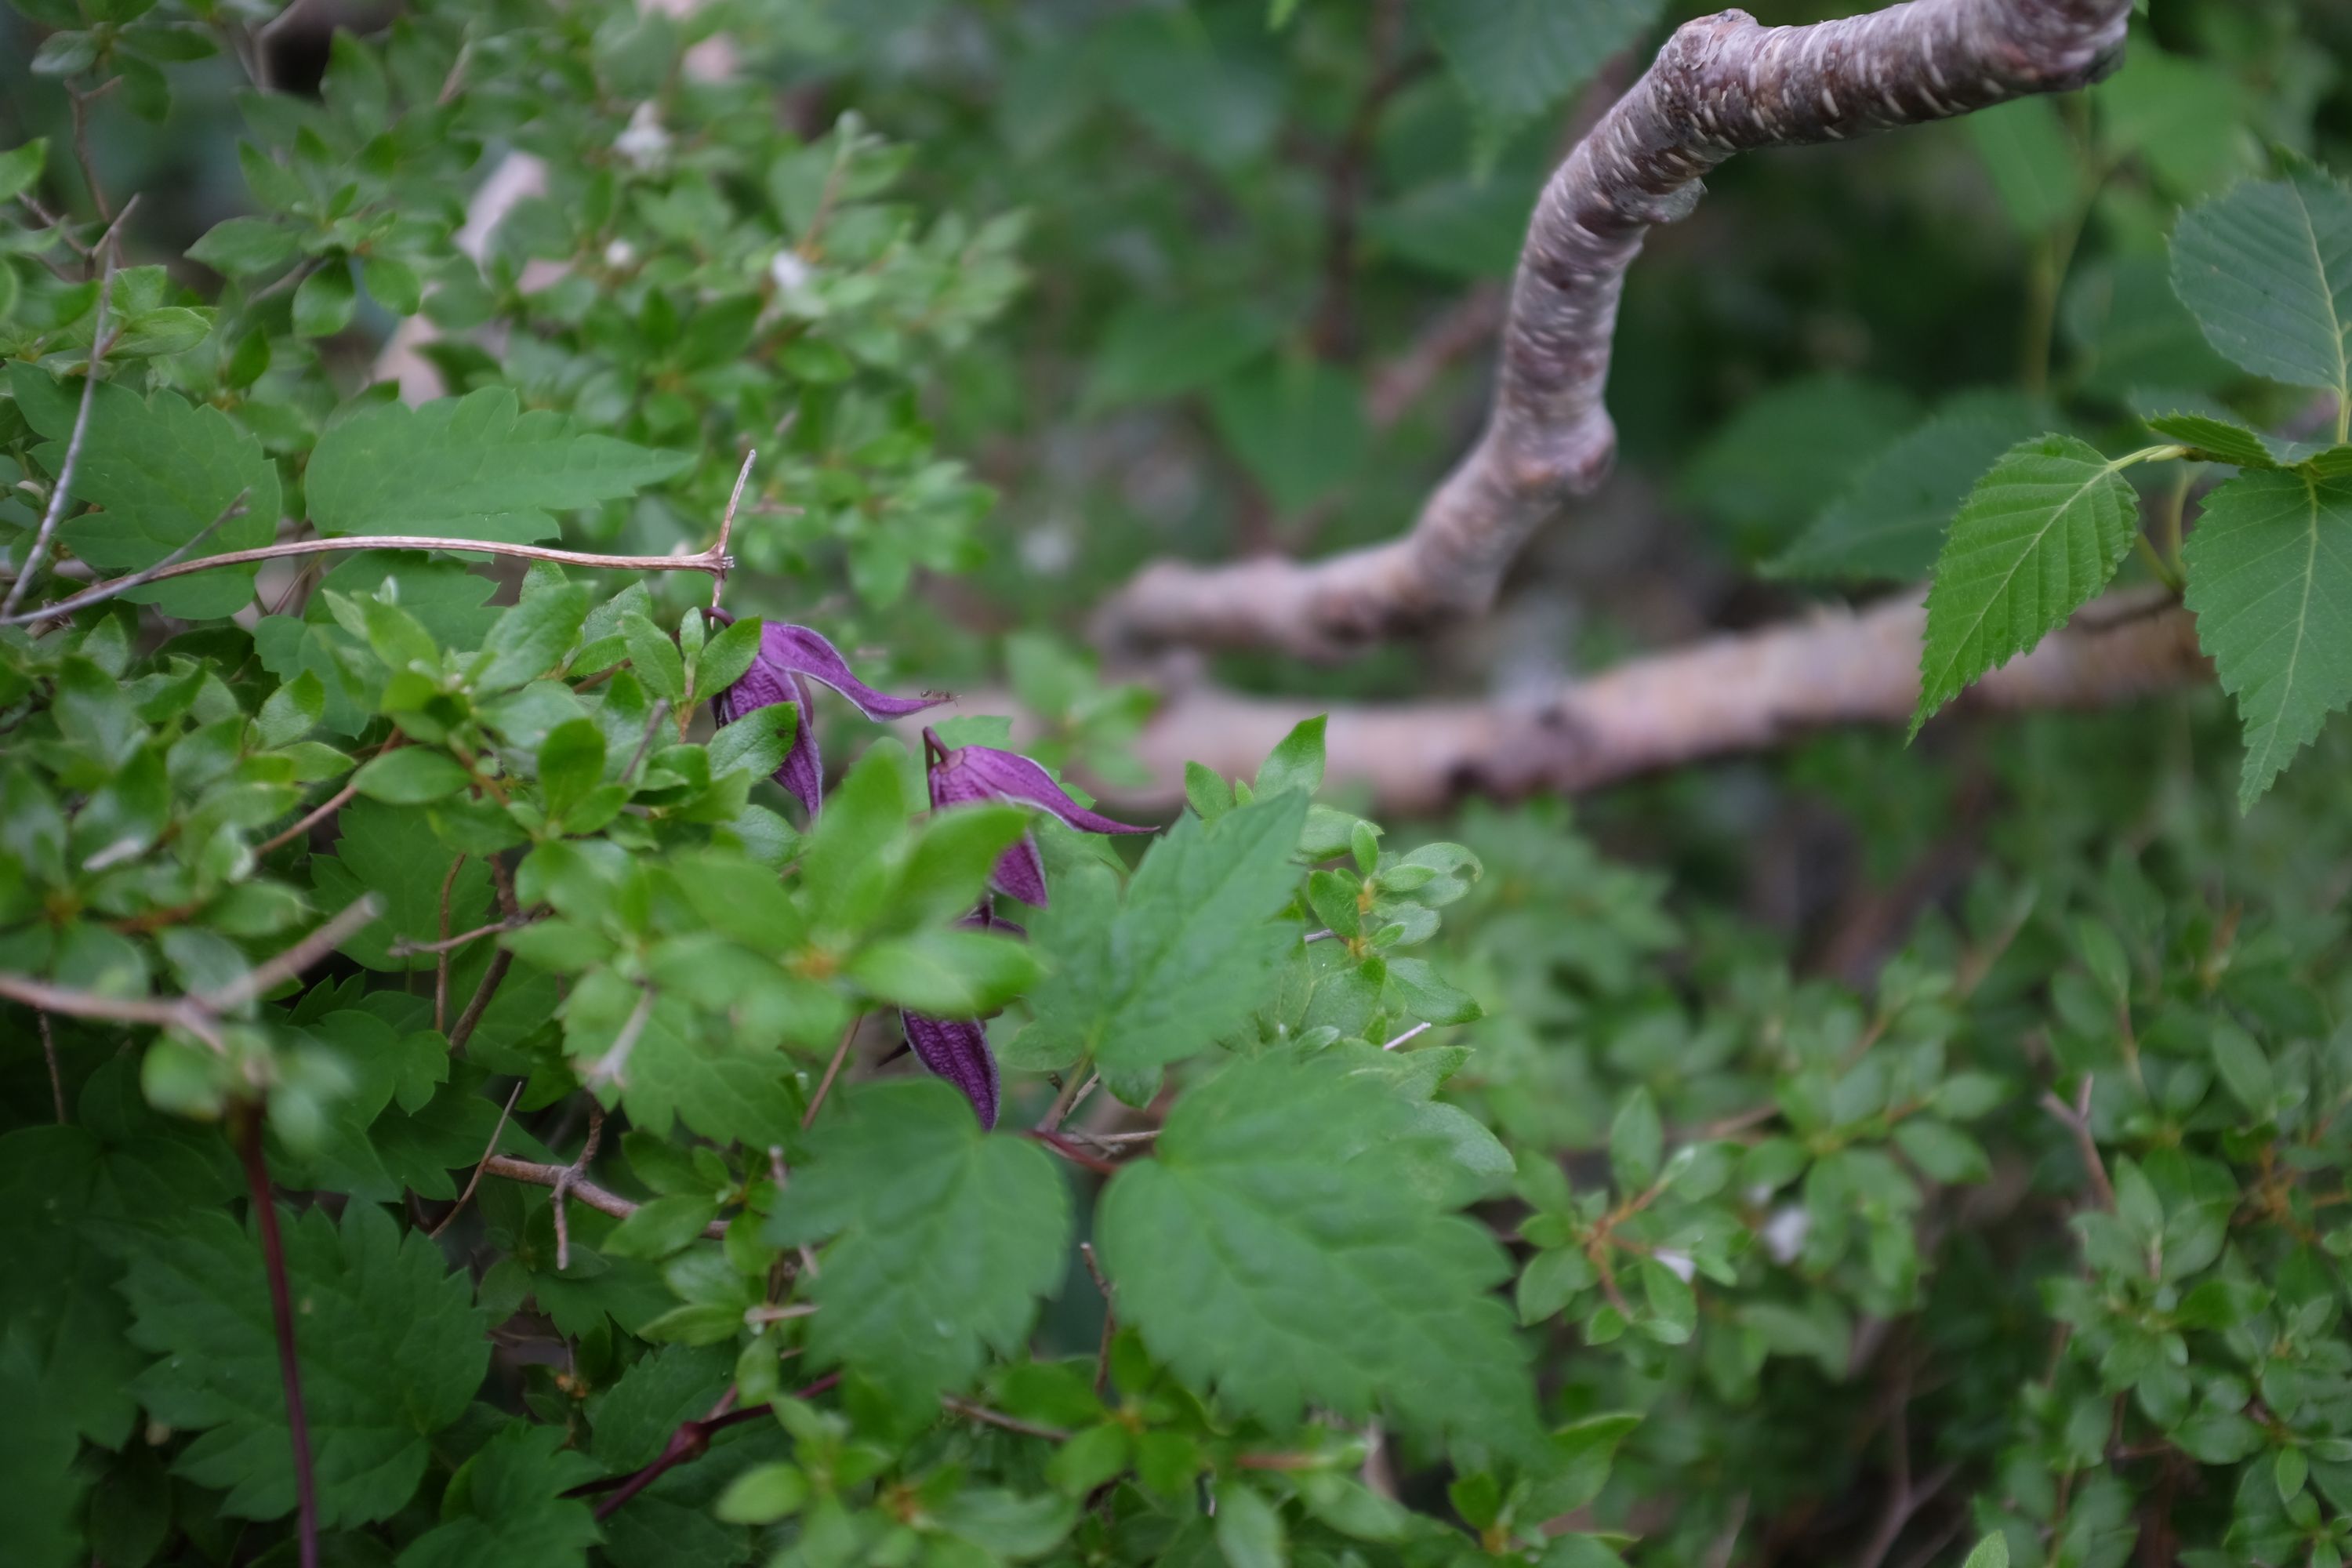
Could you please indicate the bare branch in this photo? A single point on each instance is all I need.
(1722, 85)
(138, 579)
(579, 1188)
(712, 561)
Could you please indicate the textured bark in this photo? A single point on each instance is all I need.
(1722, 697)
(1722, 85)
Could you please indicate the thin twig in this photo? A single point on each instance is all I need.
(403, 947)
(481, 1165)
(1073, 1089)
(727, 525)
(570, 1177)
(323, 810)
(1110, 1319)
(2077, 1119)
(580, 1189)
(831, 1071)
(615, 1059)
(49, 1051)
(500, 961)
(690, 1440)
(966, 1408)
(270, 975)
(138, 579)
(1062, 1144)
(1417, 1030)
(281, 1314)
(63, 491)
(441, 950)
(646, 741)
(709, 560)
(80, 102)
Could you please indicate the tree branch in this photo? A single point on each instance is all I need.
(1722, 85)
(282, 1317)
(713, 559)
(602, 1200)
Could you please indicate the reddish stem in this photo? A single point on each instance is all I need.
(687, 1442)
(281, 1313)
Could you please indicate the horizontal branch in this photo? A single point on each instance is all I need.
(603, 1200)
(1722, 85)
(1745, 692)
(713, 560)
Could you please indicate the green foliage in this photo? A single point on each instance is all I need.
(2041, 532)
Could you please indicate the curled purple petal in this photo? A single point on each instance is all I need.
(1020, 874)
(802, 769)
(805, 652)
(957, 1050)
(979, 773)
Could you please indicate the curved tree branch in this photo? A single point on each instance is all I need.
(1722, 85)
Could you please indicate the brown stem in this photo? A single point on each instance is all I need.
(710, 560)
(2076, 1120)
(441, 950)
(1061, 1144)
(690, 1442)
(138, 579)
(323, 810)
(481, 1165)
(579, 1188)
(500, 961)
(281, 1314)
(982, 1413)
(831, 1071)
(49, 1053)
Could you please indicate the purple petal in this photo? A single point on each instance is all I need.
(957, 1050)
(1020, 874)
(802, 770)
(954, 785)
(804, 652)
(1012, 776)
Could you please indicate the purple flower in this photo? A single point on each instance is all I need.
(957, 1049)
(967, 773)
(790, 657)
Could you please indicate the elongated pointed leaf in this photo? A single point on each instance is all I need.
(2269, 579)
(2040, 534)
(2267, 270)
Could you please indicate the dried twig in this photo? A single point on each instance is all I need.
(727, 524)
(2076, 1120)
(138, 579)
(689, 1441)
(712, 561)
(982, 1413)
(60, 493)
(49, 1054)
(564, 1183)
(831, 1071)
(579, 1189)
(481, 1165)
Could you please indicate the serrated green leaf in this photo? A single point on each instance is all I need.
(473, 468)
(1269, 1199)
(941, 1238)
(391, 851)
(1518, 58)
(530, 639)
(2040, 533)
(2033, 160)
(2270, 581)
(2215, 440)
(2267, 268)
(1890, 520)
(1188, 957)
(162, 471)
(393, 1353)
(505, 1508)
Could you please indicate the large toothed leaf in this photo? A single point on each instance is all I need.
(943, 1238)
(160, 471)
(2269, 579)
(2040, 533)
(506, 1509)
(1188, 957)
(1270, 1250)
(391, 1346)
(470, 468)
(1889, 522)
(2266, 268)
(1516, 58)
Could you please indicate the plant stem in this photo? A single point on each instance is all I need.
(711, 560)
(688, 1442)
(831, 1071)
(281, 1313)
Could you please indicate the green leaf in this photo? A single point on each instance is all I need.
(2215, 440)
(1223, 107)
(472, 468)
(20, 166)
(1574, 1464)
(1764, 474)
(505, 1506)
(163, 472)
(1889, 520)
(570, 764)
(2245, 1069)
(1296, 761)
(1297, 426)
(1942, 1152)
(943, 1237)
(2033, 160)
(323, 301)
(391, 1346)
(1516, 59)
(2270, 581)
(410, 776)
(1637, 1142)
(655, 657)
(391, 851)
(292, 711)
(530, 639)
(1249, 1528)
(1154, 351)
(758, 741)
(1188, 957)
(1270, 1200)
(725, 658)
(2266, 268)
(1992, 1552)
(2040, 533)
(247, 246)
(946, 973)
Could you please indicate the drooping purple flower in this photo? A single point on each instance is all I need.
(790, 657)
(966, 773)
(957, 1049)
